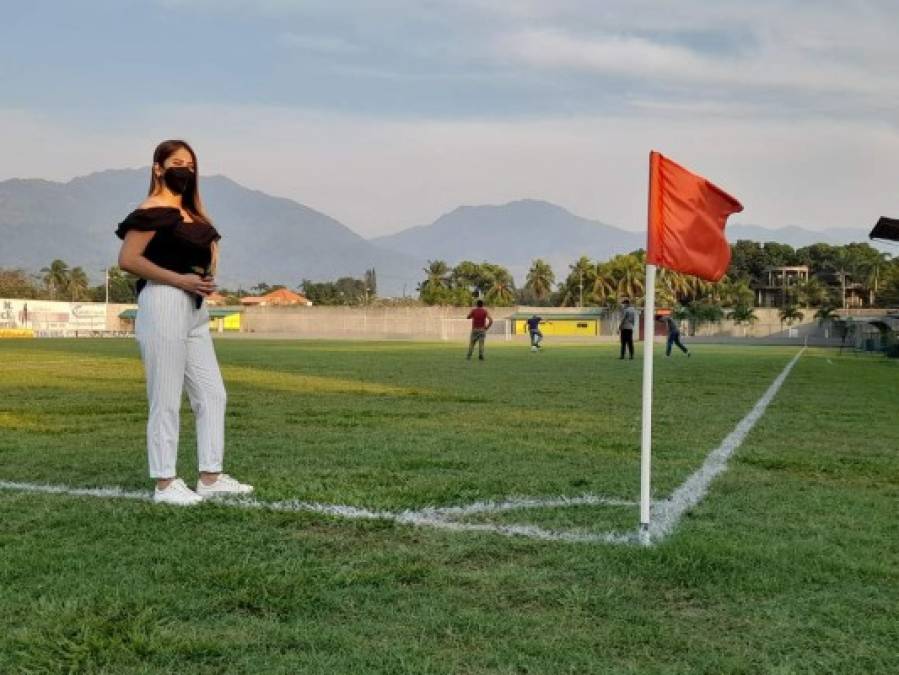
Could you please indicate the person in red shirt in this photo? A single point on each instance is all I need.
(480, 324)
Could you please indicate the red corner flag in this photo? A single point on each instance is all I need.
(687, 215)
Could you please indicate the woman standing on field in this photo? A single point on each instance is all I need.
(170, 243)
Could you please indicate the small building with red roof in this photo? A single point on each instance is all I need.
(280, 297)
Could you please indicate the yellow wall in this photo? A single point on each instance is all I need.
(232, 322)
(560, 327)
(16, 333)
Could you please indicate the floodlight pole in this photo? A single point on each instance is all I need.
(649, 309)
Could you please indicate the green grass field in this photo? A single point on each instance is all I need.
(791, 564)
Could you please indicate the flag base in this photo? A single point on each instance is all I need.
(643, 535)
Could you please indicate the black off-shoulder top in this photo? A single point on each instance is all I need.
(177, 245)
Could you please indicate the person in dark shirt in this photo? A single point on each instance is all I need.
(626, 327)
(480, 324)
(535, 332)
(673, 334)
(170, 243)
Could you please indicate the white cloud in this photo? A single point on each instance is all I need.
(838, 55)
(610, 54)
(644, 59)
(790, 106)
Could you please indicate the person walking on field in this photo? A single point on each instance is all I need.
(535, 332)
(673, 334)
(480, 324)
(626, 327)
(171, 244)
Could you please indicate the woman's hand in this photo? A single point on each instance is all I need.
(194, 283)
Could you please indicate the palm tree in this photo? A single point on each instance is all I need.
(873, 268)
(437, 273)
(56, 277)
(743, 315)
(78, 284)
(501, 290)
(826, 317)
(620, 277)
(122, 284)
(791, 314)
(671, 286)
(540, 279)
(733, 292)
(630, 274)
(605, 287)
(582, 275)
(844, 263)
(812, 293)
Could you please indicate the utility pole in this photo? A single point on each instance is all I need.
(581, 286)
(106, 305)
(843, 285)
(784, 303)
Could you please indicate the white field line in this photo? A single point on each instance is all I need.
(517, 503)
(666, 513)
(436, 517)
(444, 518)
(104, 492)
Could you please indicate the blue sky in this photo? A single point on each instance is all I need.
(386, 114)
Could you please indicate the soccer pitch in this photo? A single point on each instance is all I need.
(789, 564)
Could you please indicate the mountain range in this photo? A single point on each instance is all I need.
(264, 238)
(278, 240)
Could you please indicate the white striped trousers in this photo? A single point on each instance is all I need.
(177, 352)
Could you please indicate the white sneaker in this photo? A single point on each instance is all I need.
(177, 493)
(224, 486)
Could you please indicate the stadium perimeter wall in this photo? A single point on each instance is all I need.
(44, 318)
(449, 323)
(413, 323)
(50, 318)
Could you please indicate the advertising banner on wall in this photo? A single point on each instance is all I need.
(47, 316)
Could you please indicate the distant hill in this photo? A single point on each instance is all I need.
(514, 234)
(797, 237)
(264, 238)
(278, 240)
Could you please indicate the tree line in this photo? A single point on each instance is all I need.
(60, 282)
(834, 272)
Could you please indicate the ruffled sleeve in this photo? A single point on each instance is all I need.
(198, 234)
(150, 220)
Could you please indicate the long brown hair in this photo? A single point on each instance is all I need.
(190, 200)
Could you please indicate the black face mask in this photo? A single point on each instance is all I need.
(178, 179)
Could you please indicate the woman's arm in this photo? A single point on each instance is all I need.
(131, 259)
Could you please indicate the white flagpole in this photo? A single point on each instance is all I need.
(649, 310)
